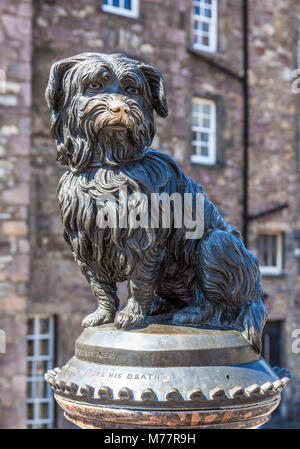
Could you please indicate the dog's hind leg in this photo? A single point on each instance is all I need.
(230, 281)
(106, 294)
(198, 312)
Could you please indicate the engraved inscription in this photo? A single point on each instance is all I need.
(135, 376)
(86, 354)
(129, 376)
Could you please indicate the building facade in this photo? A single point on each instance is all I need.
(219, 123)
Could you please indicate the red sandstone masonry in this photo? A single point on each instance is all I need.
(274, 172)
(15, 112)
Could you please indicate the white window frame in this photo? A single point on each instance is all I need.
(212, 148)
(36, 337)
(121, 10)
(278, 268)
(212, 23)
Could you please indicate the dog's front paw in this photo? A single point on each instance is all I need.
(133, 315)
(100, 316)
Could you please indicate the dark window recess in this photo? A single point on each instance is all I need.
(272, 336)
(271, 346)
(181, 22)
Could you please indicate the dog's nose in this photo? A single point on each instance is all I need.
(119, 107)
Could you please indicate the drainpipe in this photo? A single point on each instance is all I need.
(245, 122)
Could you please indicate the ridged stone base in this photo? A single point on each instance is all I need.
(165, 376)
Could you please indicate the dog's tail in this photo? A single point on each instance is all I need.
(230, 280)
(251, 322)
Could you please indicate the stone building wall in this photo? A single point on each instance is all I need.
(15, 135)
(274, 165)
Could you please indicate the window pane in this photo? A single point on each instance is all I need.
(274, 250)
(43, 410)
(30, 411)
(41, 426)
(30, 369)
(40, 389)
(116, 3)
(206, 123)
(30, 347)
(43, 347)
(204, 137)
(44, 325)
(195, 121)
(29, 389)
(127, 4)
(198, 149)
(30, 326)
(265, 249)
(204, 151)
(206, 108)
(41, 367)
(195, 106)
(205, 40)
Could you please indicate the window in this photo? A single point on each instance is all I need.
(40, 358)
(205, 25)
(271, 346)
(270, 253)
(271, 342)
(203, 131)
(128, 8)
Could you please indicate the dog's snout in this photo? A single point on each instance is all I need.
(119, 107)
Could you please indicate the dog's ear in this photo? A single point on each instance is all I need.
(56, 96)
(54, 92)
(158, 90)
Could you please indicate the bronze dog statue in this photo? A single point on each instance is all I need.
(102, 120)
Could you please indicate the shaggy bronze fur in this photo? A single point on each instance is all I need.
(102, 120)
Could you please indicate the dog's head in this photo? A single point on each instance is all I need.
(102, 108)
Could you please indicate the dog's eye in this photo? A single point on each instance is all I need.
(132, 90)
(95, 86)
